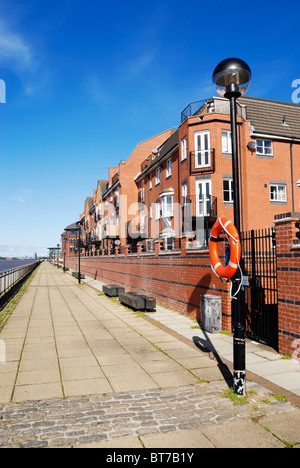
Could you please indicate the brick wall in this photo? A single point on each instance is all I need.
(176, 280)
(288, 274)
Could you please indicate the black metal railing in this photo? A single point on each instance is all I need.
(202, 162)
(196, 206)
(261, 298)
(191, 109)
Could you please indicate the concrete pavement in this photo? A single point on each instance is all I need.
(82, 370)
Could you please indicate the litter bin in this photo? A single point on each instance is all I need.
(211, 313)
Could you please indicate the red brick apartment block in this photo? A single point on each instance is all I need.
(192, 174)
(175, 186)
(118, 204)
(176, 279)
(288, 277)
(70, 240)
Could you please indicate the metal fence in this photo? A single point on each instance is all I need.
(9, 278)
(261, 298)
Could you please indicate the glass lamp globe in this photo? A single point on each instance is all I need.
(232, 77)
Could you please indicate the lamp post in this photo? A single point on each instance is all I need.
(79, 248)
(58, 250)
(64, 242)
(232, 79)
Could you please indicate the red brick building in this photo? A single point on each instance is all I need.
(189, 183)
(116, 209)
(162, 201)
(70, 240)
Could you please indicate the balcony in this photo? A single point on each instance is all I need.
(192, 108)
(202, 162)
(203, 207)
(111, 230)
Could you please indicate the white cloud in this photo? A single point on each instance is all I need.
(21, 56)
(96, 89)
(18, 199)
(14, 49)
(139, 65)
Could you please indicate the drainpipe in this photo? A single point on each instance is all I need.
(292, 176)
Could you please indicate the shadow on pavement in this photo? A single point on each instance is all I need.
(207, 347)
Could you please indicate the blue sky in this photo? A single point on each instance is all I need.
(86, 81)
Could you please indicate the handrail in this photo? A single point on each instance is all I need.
(9, 278)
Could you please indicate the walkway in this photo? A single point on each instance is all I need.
(82, 369)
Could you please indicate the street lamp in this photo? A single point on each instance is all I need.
(64, 243)
(79, 247)
(58, 249)
(232, 79)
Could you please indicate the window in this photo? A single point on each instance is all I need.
(278, 193)
(157, 207)
(226, 142)
(202, 149)
(143, 191)
(167, 205)
(264, 147)
(184, 194)
(183, 149)
(169, 243)
(157, 176)
(228, 190)
(169, 167)
(150, 181)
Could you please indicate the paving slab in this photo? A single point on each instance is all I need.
(277, 424)
(83, 370)
(241, 434)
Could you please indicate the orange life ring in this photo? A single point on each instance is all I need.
(224, 224)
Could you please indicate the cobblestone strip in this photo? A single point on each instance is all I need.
(74, 421)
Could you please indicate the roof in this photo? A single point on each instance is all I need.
(168, 146)
(72, 227)
(268, 117)
(103, 185)
(90, 202)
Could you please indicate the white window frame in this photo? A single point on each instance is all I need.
(280, 196)
(167, 240)
(204, 153)
(226, 142)
(157, 210)
(169, 167)
(230, 191)
(264, 148)
(184, 194)
(183, 149)
(202, 203)
(142, 191)
(167, 205)
(150, 181)
(157, 182)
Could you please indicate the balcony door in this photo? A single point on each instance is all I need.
(203, 197)
(202, 149)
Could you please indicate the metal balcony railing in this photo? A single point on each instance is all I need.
(202, 162)
(196, 206)
(191, 109)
